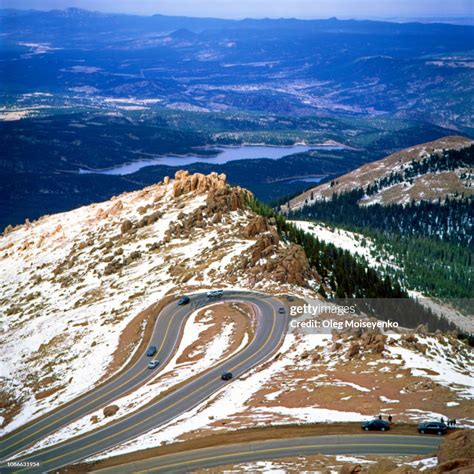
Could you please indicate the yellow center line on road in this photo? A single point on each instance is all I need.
(95, 399)
(272, 450)
(169, 407)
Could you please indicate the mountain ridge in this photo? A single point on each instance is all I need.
(436, 185)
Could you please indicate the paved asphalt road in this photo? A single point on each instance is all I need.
(188, 461)
(270, 328)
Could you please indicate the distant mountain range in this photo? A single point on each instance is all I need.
(421, 71)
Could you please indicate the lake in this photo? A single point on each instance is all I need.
(223, 155)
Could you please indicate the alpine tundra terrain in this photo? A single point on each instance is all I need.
(83, 294)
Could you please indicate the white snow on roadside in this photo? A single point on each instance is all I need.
(353, 459)
(424, 464)
(315, 415)
(173, 374)
(234, 398)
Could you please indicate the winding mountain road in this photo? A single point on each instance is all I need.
(269, 332)
(189, 461)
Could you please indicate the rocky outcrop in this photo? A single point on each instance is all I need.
(220, 195)
(360, 341)
(282, 264)
(425, 385)
(256, 226)
(373, 341)
(198, 183)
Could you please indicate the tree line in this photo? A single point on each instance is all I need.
(345, 277)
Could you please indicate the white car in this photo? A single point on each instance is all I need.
(215, 293)
(153, 363)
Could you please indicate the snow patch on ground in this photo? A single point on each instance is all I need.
(424, 464)
(443, 368)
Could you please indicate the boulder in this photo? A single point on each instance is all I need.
(354, 349)
(126, 226)
(111, 410)
(256, 226)
(410, 338)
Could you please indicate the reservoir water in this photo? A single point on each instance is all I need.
(223, 155)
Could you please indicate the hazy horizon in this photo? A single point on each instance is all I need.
(301, 9)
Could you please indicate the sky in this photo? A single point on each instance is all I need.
(266, 8)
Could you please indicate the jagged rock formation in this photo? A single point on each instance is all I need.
(220, 195)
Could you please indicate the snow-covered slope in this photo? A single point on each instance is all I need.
(357, 244)
(75, 285)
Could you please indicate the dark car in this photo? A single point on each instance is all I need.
(184, 300)
(290, 298)
(281, 310)
(375, 425)
(151, 351)
(226, 376)
(433, 427)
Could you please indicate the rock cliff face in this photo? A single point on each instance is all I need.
(268, 259)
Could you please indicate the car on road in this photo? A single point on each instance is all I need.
(375, 425)
(290, 298)
(184, 300)
(151, 351)
(281, 310)
(215, 293)
(226, 376)
(433, 427)
(153, 363)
